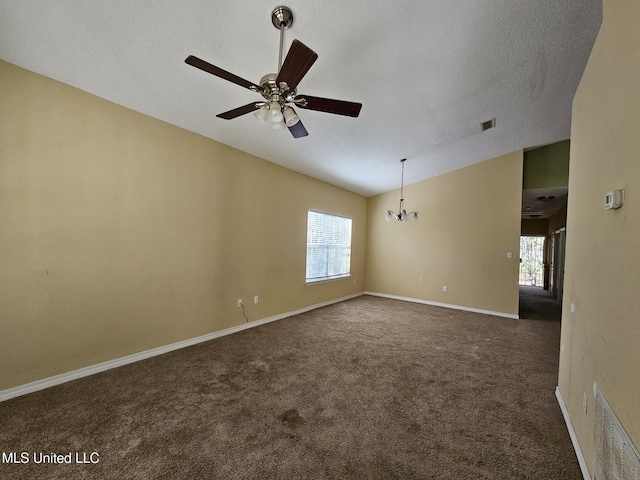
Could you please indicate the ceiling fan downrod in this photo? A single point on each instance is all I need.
(282, 18)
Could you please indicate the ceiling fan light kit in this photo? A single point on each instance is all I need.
(262, 113)
(279, 89)
(290, 116)
(402, 215)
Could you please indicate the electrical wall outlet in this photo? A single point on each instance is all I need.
(255, 299)
(239, 302)
(445, 289)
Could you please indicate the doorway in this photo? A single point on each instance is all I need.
(556, 280)
(532, 249)
(535, 302)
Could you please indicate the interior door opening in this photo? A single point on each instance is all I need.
(557, 263)
(532, 260)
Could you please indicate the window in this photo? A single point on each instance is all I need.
(328, 246)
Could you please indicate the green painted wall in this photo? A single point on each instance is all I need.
(547, 167)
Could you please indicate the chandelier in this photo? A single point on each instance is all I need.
(402, 215)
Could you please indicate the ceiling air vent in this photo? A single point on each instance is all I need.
(488, 124)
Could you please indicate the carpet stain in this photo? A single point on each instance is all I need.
(292, 418)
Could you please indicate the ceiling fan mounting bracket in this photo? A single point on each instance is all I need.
(282, 17)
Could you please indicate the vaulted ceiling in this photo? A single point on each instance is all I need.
(427, 72)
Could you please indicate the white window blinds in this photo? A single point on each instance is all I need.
(328, 246)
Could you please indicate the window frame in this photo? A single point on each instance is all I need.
(328, 278)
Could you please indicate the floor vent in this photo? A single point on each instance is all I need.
(615, 457)
(488, 124)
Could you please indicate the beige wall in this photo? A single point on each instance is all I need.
(120, 233)
(558, 220)
(600, 340)
(469, 220)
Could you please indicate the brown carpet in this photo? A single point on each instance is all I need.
(370, 388)
(536, 303)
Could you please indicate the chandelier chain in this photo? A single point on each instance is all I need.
(402, 215)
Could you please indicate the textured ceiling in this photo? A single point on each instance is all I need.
(427, 73)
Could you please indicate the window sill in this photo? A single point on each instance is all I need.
(327, 280)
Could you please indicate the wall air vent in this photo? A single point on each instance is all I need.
(615, 456)
(484, 126)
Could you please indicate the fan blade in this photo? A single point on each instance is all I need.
(236, 112)
(339, 107)
(218, 72)
(296, 65)
(298, 130)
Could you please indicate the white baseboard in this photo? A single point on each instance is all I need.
(445, 305)
(118, 362)
(572, 434)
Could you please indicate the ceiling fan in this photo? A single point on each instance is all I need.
(279, 89)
